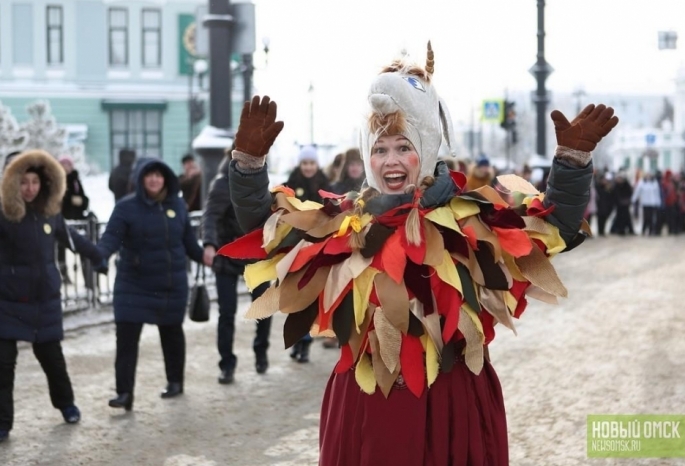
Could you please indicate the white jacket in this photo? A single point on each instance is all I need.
(647, 193)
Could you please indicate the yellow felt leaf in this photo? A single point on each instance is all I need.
(431, 323)
(281, 232)
(432, 359)
(443, 216)
(389, 340)
(515, 183)
(461, 208)
(469, 326)
(511, 266)
(447, 272)
(435, 244)
(494, 302)
(306, 205)
(262, 271)
(361, 291)
(555, 244)
(363, 374)
(473, 315)
(511, 302)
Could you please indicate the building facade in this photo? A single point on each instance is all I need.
(119, 73)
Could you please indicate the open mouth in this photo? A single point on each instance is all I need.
(395, 180)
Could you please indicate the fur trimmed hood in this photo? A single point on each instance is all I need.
(52, 190)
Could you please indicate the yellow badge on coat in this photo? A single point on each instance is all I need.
(47, 228)
(170, 213)
(299, 192)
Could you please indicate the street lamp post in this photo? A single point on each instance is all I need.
(541, 70)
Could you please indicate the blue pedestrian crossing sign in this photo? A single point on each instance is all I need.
(492, 110)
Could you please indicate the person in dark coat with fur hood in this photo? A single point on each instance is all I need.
(151, 230)
(352, 175)
(32, 188)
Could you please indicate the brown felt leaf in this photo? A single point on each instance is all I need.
(384, 378)
(356, 338)
(585, 227)
(473, 353)
(329, 227)
(432, 325)
(538, 270)
(483, 233)
(489, 193)
(394, 300)
(292, 299)
(341, 275)
(515, 183)
(537, 225)
(298, 324)
(493, 302)
(281, 202)
(435, 244)
(375, 238)
(507, 274)
(389, 340)
(541, 295)
(264, 306)
(305, 220)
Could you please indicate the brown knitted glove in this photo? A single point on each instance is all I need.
(587, 129)
(258, 127)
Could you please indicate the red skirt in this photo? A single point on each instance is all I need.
(459, 421)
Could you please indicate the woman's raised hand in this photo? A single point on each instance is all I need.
(587, 129)
(258, 127)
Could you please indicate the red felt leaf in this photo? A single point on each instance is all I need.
(459, 179)
(445, 295)
(515, 242)
(471, 237)
(346, 360)
(395, 217)
(541, 245)
(416, 254)
(518, 289)
(393, 257)
(338, 245)
(248, 246)
(537, 209)
(329, 195)
(411, 360)
(305, 255)
(451, 323)
(520, 307)
(488, 322)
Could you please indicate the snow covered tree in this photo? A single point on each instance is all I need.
(12, 136)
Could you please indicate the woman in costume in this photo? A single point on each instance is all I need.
(411, 275)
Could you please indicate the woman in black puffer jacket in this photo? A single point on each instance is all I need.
(32, 187)
(152, 231)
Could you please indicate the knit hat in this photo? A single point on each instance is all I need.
(483, 161)
(66, 159)
(403, 101)
(308, 153)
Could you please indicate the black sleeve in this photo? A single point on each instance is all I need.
(568, 189)
(250, 197)
(218, 200)
(73, 240)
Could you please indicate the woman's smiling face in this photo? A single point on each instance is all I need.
(395, 164)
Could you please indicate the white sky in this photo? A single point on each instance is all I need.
(482, 47)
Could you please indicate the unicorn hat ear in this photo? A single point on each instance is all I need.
(447, 128)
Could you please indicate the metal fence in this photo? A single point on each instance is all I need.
(84, 289)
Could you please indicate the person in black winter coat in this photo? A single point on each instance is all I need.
(119, 178)
(32, 188)
(151, 230)
(604, 187)
(220, 227)
(306, 180)
(623, 193)
(74, 207)
(352, 174)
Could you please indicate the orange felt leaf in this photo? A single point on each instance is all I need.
(471, 237)
(324, 317)
(393, 257)
(516, 242)
(451, 323)
(411, 360)
(284, 189)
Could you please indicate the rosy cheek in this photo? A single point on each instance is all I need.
(413, 160)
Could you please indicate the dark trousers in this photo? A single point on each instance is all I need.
(51, 359)
(173, 347)
(602, 223)
(227, 294)
(650, 220)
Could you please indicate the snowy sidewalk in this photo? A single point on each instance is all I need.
(615, 346)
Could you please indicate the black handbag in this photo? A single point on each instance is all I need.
(198, 308)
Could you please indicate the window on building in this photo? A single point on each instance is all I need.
(667, 160)
(55, 35)
(118, 37)
(140, 130)
(152, 38)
